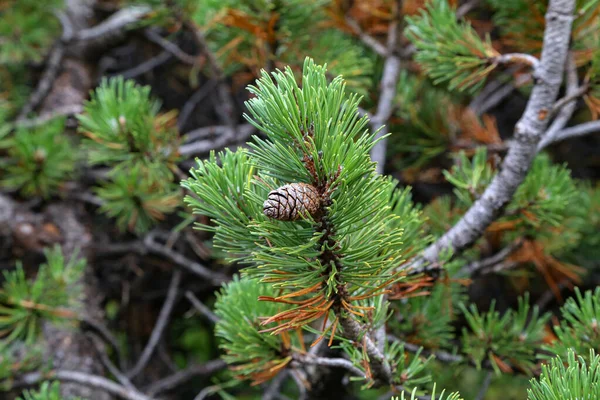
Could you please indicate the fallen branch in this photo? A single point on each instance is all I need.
(161, 323)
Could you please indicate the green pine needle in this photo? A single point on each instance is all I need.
(448, 50)
(578, 330)
(250, 353)
(54, 295)
(507, 341)
(40, 160)
(46, 391)
(578, 379)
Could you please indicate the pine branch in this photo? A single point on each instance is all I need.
(528, 133)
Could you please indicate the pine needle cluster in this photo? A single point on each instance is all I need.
(39, 161)
(124, 130)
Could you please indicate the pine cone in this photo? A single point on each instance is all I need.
(291, 202)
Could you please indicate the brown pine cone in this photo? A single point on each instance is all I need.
(291, 202)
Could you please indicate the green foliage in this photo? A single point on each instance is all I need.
(411, 220)
(252, 353)
(408, 370)
(546, 195)
(124, 130)
(470, 177)
(578, 330)
(27, 29)
(138, 199)
(47, 391)
(579, 242)
(576, 380)
(14, 91)
(448, 50)
(427, 320)
(425, 128)
(52, 295)
(513, 337)
(40, 160)
(17, 358)
(257, 32)
(519, 19)
(346, 58)
(441, 214)
(222, 192)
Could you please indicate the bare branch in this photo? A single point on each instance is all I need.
(64, 111)
(565, 113)
(569, 98)
(481, 266)
(273, 389)
(225, 139)
(161, 323)
(114, 25)
(146, 66)
(201, 308)
(216, 278)
(193, 101)
(46, 81)
(99, 345)
(180, 377)
(106, 335)
(170, 47)
(225, 95)
(574, 131)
